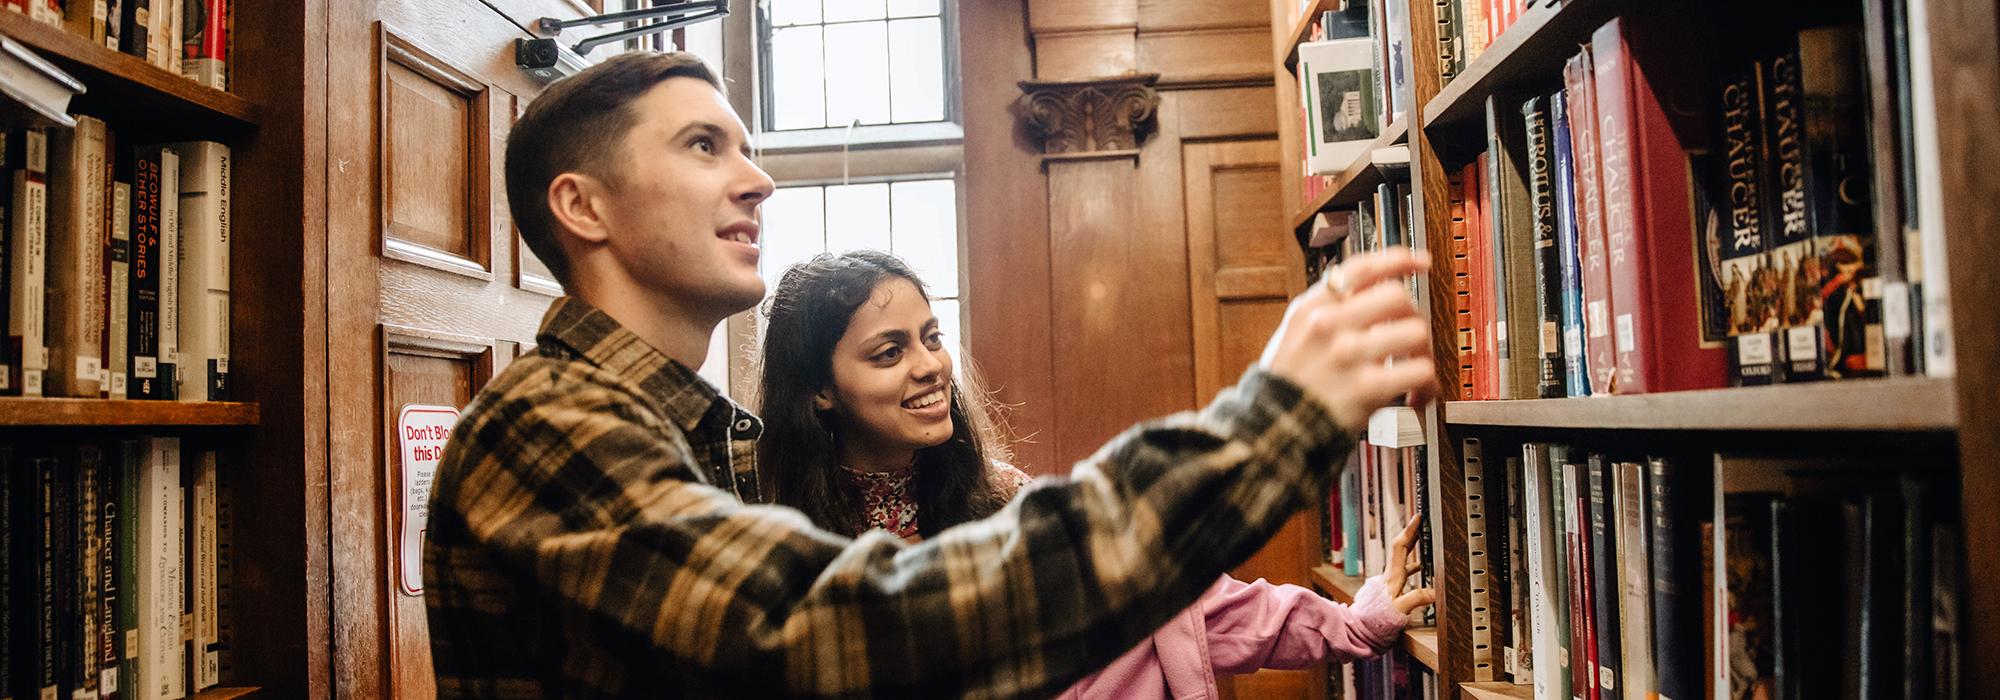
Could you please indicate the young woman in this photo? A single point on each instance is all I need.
(868, 425)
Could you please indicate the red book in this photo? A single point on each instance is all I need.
(1596, 269)
(1648, 225)
(1476, 266)
(1461, 286)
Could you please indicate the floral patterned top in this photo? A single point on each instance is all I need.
(889, 501)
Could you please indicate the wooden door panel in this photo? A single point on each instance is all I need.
(1246, 215)
(430, 290)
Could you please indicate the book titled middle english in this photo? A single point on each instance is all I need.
(204, 271)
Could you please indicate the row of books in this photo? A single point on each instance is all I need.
(1608, 244)
(1391, 676)
(188, 38)
(116, 271)
(1354, 83)
(1738, 575)
(117, 572)
(1467, 27)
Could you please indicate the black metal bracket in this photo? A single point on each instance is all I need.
(671, 15)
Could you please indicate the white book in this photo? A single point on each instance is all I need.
(204, 270)
(1335, 77)
(161, 560)
(1547, 615)
(1939, 356)
(169, 363)
(203, 654)
(27, 256)
(1635, 581)
(76, 236)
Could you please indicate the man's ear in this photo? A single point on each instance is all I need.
(823, 399)
(577, 202)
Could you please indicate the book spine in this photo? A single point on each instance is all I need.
(1656, 327)
(1744, 596)
(1502, 522)
(1479, 572)
(1676, 608)
(118, 330)
(27, 314)
(1350, 517)
(1575, 380)
(1601, 359)
(1583, 649)
(204, 278)
(76, 260)
(1500, 221)
(136, 35)
(114, 24)
(1550, 377)
(132, 461)
(204, 49)
(1484, 300)
(144, 288)
(160, 662)
(44, 657)
(1605, 591)
(86, 573)
(84, 18)
(1916, 589)
(1926, 159)
(1544, 601)
(1886, 166)
(204, 654)
(1747, 278)
(1839, 329)
(1791, 230)
(170, 275)
(1561, 585)
(1635, 583)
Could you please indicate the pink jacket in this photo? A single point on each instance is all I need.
(1239, 627)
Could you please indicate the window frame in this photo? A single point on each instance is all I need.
(948, 128)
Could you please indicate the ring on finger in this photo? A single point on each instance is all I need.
(1335, 280)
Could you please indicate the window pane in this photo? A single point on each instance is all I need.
(797, 89)
(916, 70)
(946, 311)
(857, 73)
(785, 12)
(912, 8)
(851, 10)
(925, 217)
(857, 216)
(794, 230)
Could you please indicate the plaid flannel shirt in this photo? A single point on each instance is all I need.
(589, 537)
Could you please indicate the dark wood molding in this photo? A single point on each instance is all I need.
(1075, 117)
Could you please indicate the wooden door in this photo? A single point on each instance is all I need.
(430, 290)
(1243, 268)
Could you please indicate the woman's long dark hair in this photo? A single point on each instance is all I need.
(798, 454)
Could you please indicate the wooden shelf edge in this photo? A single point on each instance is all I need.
(226, 693)
(1497, 691)
(1359, 178)
(1288, 55)
(1901, 404)
(1422, 643)
(1335, 583)
(91, 63)
(50, 412)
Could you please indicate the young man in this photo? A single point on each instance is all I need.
(589, 536)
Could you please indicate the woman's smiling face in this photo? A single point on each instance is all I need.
(891, 388)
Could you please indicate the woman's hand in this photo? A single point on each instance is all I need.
(1402, 562)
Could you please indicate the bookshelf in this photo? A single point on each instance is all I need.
(270, 440)
(24, 412)
(1288, 50)
(1954, 416)
(1356, 181)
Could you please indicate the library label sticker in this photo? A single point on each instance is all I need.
(422, 431)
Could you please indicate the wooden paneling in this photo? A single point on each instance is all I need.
(416, 296)
(437, 143)
(1156, 15)
(1057, 15)
(1249, 226)
(418, 367)
(1239, 254)
(1242, 112)
(1204, 54)
(1085, 54)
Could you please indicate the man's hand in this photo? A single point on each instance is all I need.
(1360, 348)
(1402, 562)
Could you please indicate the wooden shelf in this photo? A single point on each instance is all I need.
(1531, 52)
(1336, 584)
(120, 83)
(1497, 691)
(1422, 643)
(1288, 54)
(1357, 181)
(23, 412)
(226, 693)
(1911, 404)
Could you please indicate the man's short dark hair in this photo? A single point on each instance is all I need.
(575, 126)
